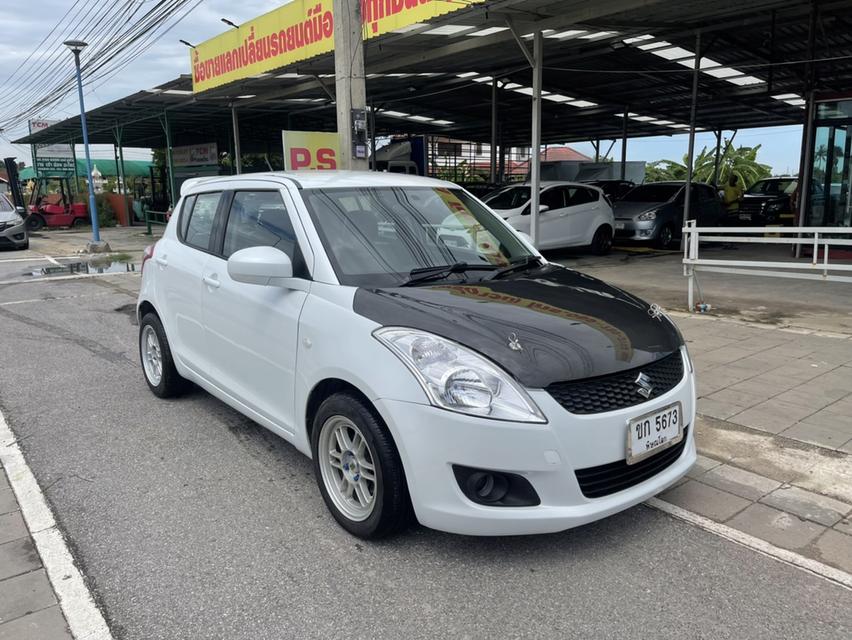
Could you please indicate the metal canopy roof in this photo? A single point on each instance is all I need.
(601, 59)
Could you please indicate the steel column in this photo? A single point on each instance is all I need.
(238, 157)
(169, 162)
(535, 146)
(690, 154)
(716, 159)
(493, 167)
(624, 145)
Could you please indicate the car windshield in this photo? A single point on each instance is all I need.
(773, 187)
(5, 205)
(510, 198)
(376, 236)
(652, 193)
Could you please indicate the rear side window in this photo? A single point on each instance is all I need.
(260, 219)
(554, 198)
(185, 212)
(582, 196)
(199, 229)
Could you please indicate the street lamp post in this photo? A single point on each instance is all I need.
(76, 47)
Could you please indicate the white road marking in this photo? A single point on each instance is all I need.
(84, 618)
(52, 260)
(76, 276)
(32, 300)
(791, 558)
(40, 258)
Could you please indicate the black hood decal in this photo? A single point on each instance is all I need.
(549, 325)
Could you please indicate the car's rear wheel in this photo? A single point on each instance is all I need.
(78, 222)
(35, 222)
(665, 238)
(358, 468)
(157, 363)
(602, 240)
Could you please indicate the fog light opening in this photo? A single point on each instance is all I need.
(487, 486)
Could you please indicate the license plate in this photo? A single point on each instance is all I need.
(745, 216)
(652, 432)
(619, 225)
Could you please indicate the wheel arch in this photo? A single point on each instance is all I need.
(326, 388)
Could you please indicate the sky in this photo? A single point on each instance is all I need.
(21, 30)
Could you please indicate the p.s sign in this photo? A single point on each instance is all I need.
(309, 150)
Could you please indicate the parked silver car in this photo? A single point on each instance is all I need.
(13, 229)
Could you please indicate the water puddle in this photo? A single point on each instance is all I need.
(84, 268)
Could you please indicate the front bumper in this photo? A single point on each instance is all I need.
(14, 236)
(636, 230)
(431, 441)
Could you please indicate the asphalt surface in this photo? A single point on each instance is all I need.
(189, 521)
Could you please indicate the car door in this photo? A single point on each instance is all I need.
(581, 211)
(180, 259)
(553, 224)
(252, 330)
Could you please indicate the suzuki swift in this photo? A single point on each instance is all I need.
(419, 350)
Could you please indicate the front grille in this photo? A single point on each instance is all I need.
(752, 207)
(606, 479)
(618, 390)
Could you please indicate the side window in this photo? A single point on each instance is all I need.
(260, 219)
(200, 225)
(582, 196)
(185, 212)
(554, 198)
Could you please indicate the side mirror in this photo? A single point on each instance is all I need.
(542, 208)
(21, 211)
(266, 266)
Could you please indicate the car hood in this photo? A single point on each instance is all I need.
(6, 216)
(570, 326)
(627, 209)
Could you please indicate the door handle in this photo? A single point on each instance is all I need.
(211, 281)
(161, 260)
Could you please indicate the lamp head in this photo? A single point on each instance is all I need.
(75, 45)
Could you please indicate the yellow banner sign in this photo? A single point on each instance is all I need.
(310, 150)
(297, 31)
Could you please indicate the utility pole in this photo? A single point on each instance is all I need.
(350, 85)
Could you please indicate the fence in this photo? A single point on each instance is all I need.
(816, 269)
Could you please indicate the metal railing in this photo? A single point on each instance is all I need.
(154, 217)
(816, 237)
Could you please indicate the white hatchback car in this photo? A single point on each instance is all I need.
(572, 214)
(488, 390)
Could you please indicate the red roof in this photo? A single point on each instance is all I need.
(563, 153)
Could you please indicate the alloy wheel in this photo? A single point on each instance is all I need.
(152, 355)
(347, 467)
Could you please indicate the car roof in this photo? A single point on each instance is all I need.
(552, 183)
(322, 179)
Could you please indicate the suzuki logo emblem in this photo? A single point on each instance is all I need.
(514, 343)
(643, 385)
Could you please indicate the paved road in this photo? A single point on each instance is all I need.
(191, 522)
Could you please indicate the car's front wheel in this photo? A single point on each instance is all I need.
(665, 238)
(157, 363)
(358, 468)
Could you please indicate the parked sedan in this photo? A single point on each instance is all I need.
(654, 212)
(572, 214)
(13, 228)
(479, 387)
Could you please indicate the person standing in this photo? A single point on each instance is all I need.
(733, 194)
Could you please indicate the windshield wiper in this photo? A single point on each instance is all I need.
(424, 274)
(519, 264)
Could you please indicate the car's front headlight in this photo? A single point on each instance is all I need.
(14, 221)
(648, 215)
(775, 206)
(458, 379)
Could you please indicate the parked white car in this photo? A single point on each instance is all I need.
(571, 214)
(478, 386)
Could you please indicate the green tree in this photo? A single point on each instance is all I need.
(739, 161)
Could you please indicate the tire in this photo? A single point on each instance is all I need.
(665, 238)
(35, 222)
(343, 468)
(602, 240)
(158, 367)
(78, 222)
(24, 246)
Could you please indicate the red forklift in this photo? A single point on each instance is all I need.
(52, 205)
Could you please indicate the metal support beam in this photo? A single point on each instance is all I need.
(597, 145)
(164, 121)
(517, 36)
(238, 156)
(716, 158)
(373, 140)
(119, 135)
(535, 156)
(624, 145)
(690, 154)
(350, 86)
(493, 174)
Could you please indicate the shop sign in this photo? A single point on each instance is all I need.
(51, 158)
(195, 155)
(297, 31)
(310, 150)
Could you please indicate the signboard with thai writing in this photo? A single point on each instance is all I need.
(51, 159)
(195, 155)
(297, 31)
(310, 150)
